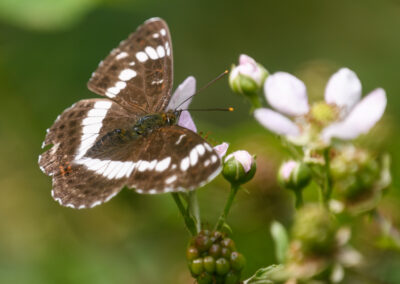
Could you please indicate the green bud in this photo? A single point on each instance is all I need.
(315, 229)
(294, 175)
(192, 253)
(222, 266)
(239, 167)
(197, 266)
(238, 261)
(209, 264)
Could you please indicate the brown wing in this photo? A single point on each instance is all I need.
(139, 72)
(74, 132)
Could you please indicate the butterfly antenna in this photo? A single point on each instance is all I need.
(205, 87)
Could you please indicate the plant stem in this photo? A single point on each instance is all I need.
(228, 205)
(299, 198)
(189, 222)
(328, 178)
(194, 209)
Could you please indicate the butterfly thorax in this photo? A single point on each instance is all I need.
(144, 125)
(150, 122)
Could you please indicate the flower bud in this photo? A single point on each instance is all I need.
(248, 77)
(192, 253)
(294, 175)
(239, 167)
(238, 261)
(205, 278)
(232, 277)
(209, 264)
(315, 229)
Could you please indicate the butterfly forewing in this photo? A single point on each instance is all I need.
(139, 72)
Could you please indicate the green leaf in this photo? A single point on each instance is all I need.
(280, 237)
(265, 275)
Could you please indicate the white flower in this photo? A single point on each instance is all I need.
(343, 115)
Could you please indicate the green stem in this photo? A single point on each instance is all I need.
(299, 198)
(255, 101)
(328, 178)
(228, 205)
(189, 222)
(194, 209)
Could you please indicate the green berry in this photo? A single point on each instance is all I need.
(197, 266)
(226, 253)
(205, 278)
(228, 243)
(222, 266)
(209, 264)
(238, 261)
(232, 277)
(215, 250)
(203, 243)
(192, 253)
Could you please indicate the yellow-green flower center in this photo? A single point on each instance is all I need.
(323, 113)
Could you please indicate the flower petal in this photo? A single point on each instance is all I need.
(221, 149)
(343, 89)
(286, 94)
(243, 157)
(361, 119)
(186, 89)
(185, 120)
(276, 122)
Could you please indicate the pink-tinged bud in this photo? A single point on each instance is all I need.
(294, 175)
(248, 77)
(239, 167)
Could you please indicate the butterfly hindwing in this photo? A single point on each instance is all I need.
(73, 133)
(139, 72)
(184, 161)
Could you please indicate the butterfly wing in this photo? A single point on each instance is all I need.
(73, 134)
(138, 73)
(171, 159)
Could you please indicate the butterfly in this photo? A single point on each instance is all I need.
(136, 136)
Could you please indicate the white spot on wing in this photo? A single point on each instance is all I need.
(141, 56)
(95, 203)
(151, 52)
(160, 51)
(214, 158)
(121, 55)
(171, 179)
(200, 149)
(193, 157)
(180, 139)
(163, 32)
(127, 74)
(163, 165)
(208, 147)
(185, 164)
(156, 35)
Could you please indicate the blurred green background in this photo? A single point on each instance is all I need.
(48, 49)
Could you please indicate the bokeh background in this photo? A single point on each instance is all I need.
(48, 49)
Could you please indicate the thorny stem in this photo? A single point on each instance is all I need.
(228, 205)
(194, 209)
(189, 222)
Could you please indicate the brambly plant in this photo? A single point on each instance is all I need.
(350, 179)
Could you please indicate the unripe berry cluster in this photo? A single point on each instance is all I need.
(213, 259)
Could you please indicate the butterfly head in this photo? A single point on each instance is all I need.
(171, 117)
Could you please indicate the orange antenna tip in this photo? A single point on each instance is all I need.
(231, 109)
